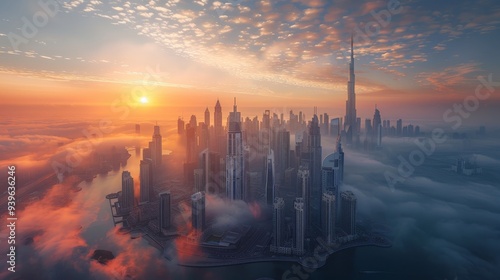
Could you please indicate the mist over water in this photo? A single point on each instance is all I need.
(443, 225)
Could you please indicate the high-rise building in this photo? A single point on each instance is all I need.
(278, 221)
(377, 129)
(270, 178)
(165, 210)
(300, 225)
(304, 191)
(399, 127)
(315, 157)
(348, 212)
(335, 125)
(207, 117)
(146, 180)
(350, 122)
(198, 211)
(191, 144)
(332, 169)
(180, 126)
(212, 182)
(235, 162)
(218, 143)
(328, 216)
(156, 149)
(138, 129)
(198, 180)
(203, 136)
(282, 153)
(127, 201)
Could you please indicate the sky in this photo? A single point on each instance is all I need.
(408, 53)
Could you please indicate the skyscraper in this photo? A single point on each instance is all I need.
(180, 126)
(377, 129)
(328, 216)
(333, 173)
(299, 225)
(207, 117)
(348, 212)
(350, 122)
(127, 201)
(146, 180)
(165, 210)
(282, 153)
(209, 163)
(191, 144)
(198, 211)
(218, 139)
(315, 157)
(156, 151)
(235, 163)
(278, 221)
(270, 178)
(399, 127)
(303, 191)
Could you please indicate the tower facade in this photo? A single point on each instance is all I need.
(235, 163)
(156, 150)
(278, 221)
(165, 210)
(377, 129)
(127, 202)
(299, 225)
(198, 211)
(207, 117)
(146, 180)
(315, 157)
(328, 216)
(348, 212)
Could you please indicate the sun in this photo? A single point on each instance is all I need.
(144, 100)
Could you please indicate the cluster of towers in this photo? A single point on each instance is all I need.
(149, 167)
(252, 160)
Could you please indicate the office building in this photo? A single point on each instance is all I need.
(127, 197)
(165, 210)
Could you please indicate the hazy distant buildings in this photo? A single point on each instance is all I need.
(235, 162)
(180, 126)
(127, 196)
(198, 211)
(335, 125)
(165, 211)
(399, 127)
(377, 129)
(146, 180)
(207, 117)
(348, 212)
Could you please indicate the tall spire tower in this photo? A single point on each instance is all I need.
(350, 122)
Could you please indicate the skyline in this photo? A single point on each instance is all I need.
(241, 139)
(297, 51)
